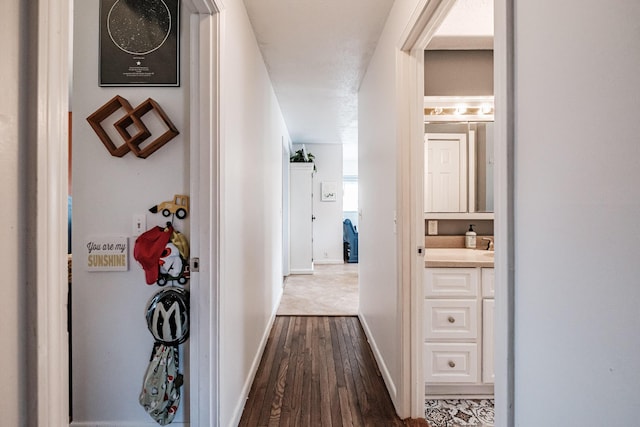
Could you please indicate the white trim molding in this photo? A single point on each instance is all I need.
(421, 27)
(206, 35)
(51, 212)
(504, 212)
(384, 370)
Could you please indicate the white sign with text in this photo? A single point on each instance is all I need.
(107, 253)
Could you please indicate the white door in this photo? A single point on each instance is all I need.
(445, 187)
(301, 214)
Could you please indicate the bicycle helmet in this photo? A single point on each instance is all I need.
(168, 316)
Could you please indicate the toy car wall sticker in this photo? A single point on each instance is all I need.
(179, 206)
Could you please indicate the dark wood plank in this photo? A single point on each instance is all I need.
(318, 371)
(283, 369)
(315, 354)
(251, 415)
(295, 385)
(305, 407)
(334, 398)
(349, 380)
(377, 404)
(323, 376)
(359, 389)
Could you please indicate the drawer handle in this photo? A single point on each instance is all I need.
(452, 364)
(451, 319)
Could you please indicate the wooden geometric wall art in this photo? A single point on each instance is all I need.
(101, 114)
(132, 119)
(135, 117)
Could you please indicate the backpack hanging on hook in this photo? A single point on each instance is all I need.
(160, 395)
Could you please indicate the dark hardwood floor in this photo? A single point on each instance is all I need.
(318, 371)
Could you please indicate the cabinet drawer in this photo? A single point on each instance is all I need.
(488, 280)
(450, 319)
(488, 370)
(451, 363)
(451, 282)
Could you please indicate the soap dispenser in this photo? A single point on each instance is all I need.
(470, 238)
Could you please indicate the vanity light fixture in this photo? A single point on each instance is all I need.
(457, 108)
(486, 109)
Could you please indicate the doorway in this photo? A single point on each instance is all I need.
(53, 375)
(323, 280)
(411, 79)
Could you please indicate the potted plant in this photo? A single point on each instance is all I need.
(302, 156)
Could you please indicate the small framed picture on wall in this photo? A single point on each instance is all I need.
(329, 191)
(139, 43)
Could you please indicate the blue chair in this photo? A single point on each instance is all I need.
(350, 241)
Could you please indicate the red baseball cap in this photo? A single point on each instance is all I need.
(148, 248)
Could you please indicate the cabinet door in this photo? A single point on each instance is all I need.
(450, 319)
(488, 310)
(488, 280)
(451, 363)
(451, 282)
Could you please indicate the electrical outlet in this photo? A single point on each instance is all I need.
(432, 228)
(139, 224)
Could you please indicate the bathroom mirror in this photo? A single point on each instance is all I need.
(459, 167)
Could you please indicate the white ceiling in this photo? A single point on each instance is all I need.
(317, 51)
(468, 25)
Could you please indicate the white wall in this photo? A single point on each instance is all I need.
(251, 217)
(377, 172)
(327, 227)
(111, 342)
(577, 205)
(13, 218)
(350, 159)
(458, 72)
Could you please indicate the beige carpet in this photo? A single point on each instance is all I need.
(332, 290)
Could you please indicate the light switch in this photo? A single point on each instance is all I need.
(139, 224)
(432, 227)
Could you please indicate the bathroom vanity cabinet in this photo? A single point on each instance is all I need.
(458, 330)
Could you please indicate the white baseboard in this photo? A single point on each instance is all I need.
(328, 261)
(237, 413)
(386, 376)
(300, 271)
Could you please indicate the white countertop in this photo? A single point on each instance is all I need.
(458, 257)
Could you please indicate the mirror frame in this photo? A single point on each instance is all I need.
(439, 109)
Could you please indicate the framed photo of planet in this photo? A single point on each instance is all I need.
(139, 43)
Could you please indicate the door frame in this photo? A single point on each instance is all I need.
(422, 24)
(53, 48)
